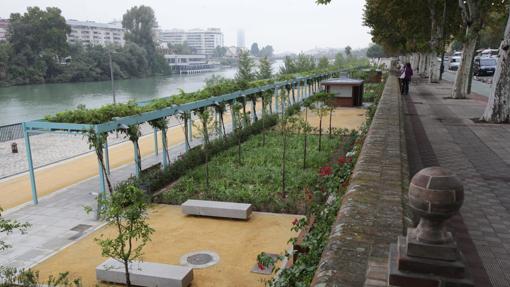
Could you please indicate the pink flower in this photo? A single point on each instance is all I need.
(295, 221)
(341, 160)
(261, 266)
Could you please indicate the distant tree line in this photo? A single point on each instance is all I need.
(36, 50)
(266, 51)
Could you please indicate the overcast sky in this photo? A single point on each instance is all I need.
(287, 25)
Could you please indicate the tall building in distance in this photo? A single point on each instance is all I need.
(93, 33)
(241, 43)
(4, 24)
(202, 41)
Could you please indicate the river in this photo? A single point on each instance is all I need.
(30, 102)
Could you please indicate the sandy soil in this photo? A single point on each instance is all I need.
(236, 242)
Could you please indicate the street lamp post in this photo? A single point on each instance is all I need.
(111, 76)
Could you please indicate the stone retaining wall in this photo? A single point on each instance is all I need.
(372, 214)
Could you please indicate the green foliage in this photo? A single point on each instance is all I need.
(375, 51)
(37, 51)
(139, 22)
(339, 59)
(30, 278)
(38, 31)
(181, 49)
(372, 91)
(219, 51)
(245, 71)
(258, 179)
(126, 210)
(265, 69)
(323, 63)
(8, 226)
(301, 63)
(153, 181)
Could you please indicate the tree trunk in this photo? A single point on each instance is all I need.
(306, 138)
(320, 132)
(434, 68)
(436, 33)
(498, 106)
(206, 168)
(461, 85)
(128, 276)
(330, 116)
(284, 160)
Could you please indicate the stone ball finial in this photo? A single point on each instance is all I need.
(435, 194)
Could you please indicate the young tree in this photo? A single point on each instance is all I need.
(323, 63)
(126, 211)
(321, 110)
(8, 226)
(288, 67)
(339, 60)
(498, 106)
(245, 72)
(206, 120)
(265, 69)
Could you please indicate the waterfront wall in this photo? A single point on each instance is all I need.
(372, 212)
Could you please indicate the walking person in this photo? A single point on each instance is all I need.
(406, 78)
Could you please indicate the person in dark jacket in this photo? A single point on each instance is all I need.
(408, 73)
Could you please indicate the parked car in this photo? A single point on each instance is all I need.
(485, 66)
(454, 63)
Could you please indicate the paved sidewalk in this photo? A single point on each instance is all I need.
(60, 218)
(441, 131)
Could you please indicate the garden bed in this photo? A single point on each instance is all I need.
(258, 180)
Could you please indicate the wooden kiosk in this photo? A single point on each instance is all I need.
(347, 92)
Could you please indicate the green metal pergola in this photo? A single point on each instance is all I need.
(43, 126)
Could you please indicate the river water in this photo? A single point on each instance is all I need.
(30, 102)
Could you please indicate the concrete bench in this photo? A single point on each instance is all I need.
(217, 209)
(145, 274)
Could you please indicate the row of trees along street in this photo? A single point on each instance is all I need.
(424, 29)
(36, 50)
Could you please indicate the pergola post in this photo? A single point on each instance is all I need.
(165, 147)
(190, 130)
(276, 100)
(299, 91)
(233, 116)
(26, 136)
(254, 110)
(282, 101)
(156, 150)
(102, 189)
(137, 163)
(107, 156)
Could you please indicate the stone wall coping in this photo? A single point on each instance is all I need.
(371, 215)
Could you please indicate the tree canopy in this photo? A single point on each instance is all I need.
(255, 49)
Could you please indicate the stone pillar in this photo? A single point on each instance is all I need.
(428, 255)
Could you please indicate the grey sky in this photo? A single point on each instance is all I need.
(288, 25)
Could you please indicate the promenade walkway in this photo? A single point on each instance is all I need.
(60, 218)
(444, 132)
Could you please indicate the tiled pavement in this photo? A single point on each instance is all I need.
(441, 132)
(49, 148)
(60, 218)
